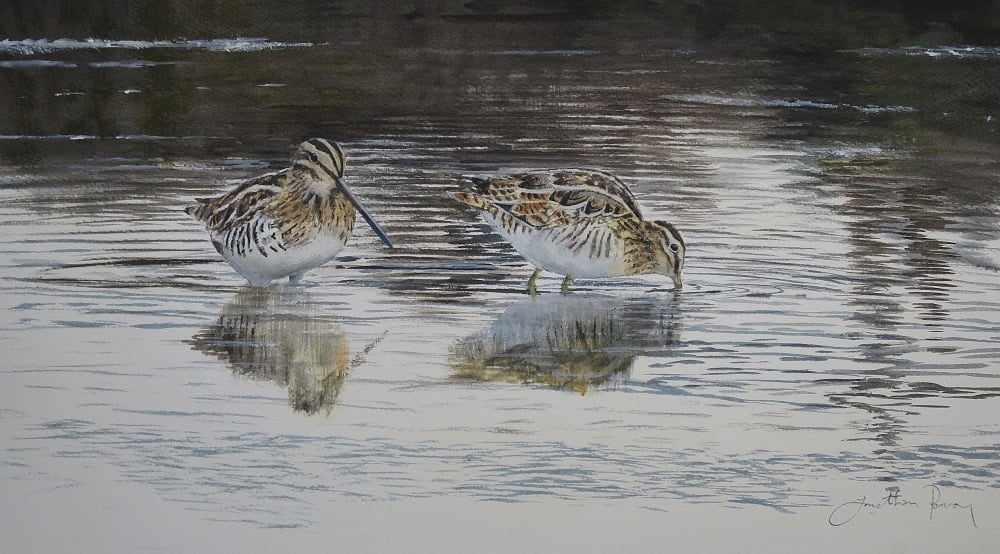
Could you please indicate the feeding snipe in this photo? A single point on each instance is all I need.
(286, 223)
(578, 223)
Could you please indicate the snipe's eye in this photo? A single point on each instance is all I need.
(675, 247)
(313, 157)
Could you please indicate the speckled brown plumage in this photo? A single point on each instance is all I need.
(285, 223)
(578, 223)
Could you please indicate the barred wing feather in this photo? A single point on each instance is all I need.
(241, 205)
(550, 199)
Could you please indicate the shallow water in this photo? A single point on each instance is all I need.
(837, 335)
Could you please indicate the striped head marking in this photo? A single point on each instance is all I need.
(321, 157)
(669, 248)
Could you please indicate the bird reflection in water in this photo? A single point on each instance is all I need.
(576, 343)
(275, 334)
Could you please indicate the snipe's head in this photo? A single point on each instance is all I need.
(320, 160)
(668, 250)
(319, 167)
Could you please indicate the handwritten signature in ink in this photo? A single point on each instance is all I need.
(893, 499)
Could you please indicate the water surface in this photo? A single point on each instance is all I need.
(837, 335)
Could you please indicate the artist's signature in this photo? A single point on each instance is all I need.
(846, 512)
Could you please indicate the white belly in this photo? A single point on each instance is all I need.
(540, 249)
(260, 270)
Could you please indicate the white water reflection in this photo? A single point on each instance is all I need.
(957, 51)
(275, 334)
(29, 47)
(794, 103)
(576, 343)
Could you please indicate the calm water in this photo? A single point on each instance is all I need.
(838, 334)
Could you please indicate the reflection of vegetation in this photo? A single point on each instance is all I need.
(888, 396)
(23, 90)
(903, 268)
(567, 342)
(22, 117)
(833, 24)
(98, 116)
(382, 59)
(269, 334)
(892, 218)
(167, 99)
(159, 19)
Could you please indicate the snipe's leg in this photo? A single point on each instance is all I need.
(565, 284)
(531, 282)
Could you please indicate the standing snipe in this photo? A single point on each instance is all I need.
(286, 223)
(578, 223)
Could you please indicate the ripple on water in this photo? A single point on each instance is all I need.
(837, 323)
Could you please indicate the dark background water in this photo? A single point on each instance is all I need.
(832, 165)
(377, 60)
